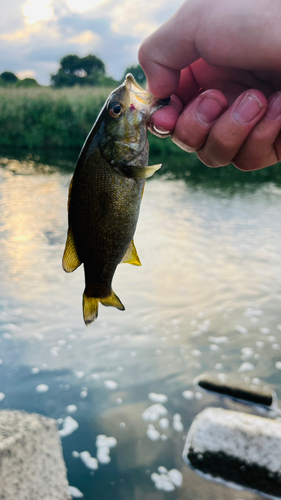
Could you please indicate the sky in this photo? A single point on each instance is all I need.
(36, 34)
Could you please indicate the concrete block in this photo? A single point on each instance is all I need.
(236, 447)
(31, 461)
(225, 385)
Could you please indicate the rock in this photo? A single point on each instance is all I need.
(237, 389)
(31, 461)
(237, 447)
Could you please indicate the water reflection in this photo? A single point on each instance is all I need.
(211, 271)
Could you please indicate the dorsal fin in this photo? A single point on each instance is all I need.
(131, 255)
(70, 260)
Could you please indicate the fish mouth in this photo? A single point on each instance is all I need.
(141, 99)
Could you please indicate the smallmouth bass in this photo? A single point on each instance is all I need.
(105, 193)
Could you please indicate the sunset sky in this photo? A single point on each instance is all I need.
(35, 34)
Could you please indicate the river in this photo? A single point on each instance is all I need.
(207, 298)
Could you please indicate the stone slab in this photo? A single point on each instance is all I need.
(236, 447)
(31, 461)
(238, 389)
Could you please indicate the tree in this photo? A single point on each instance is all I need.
(75, 70)
(137, 72)
(27, 82)
(8, 78)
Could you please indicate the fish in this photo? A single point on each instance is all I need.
(105, 193)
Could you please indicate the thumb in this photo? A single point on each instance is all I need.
(170, 49)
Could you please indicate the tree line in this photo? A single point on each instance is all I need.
(75, 70)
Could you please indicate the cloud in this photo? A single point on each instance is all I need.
(37, 10)
(28, 73)
(36, 34)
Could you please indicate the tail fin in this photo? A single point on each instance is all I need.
(91, 305)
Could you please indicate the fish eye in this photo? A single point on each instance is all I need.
(115, 110)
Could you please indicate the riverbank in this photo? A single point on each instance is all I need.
(57, 122)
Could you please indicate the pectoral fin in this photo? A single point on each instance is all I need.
(131, 255)
(70, 260)
(140, 172)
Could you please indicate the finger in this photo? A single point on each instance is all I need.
(262, 148)
(163, 61)
(164, 120)
(197, 119)
(232, 129)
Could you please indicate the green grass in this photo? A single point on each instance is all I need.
(45, 118)
(38, 120)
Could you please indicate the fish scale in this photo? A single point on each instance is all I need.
(106, 191)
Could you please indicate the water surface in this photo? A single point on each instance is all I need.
(207, 298)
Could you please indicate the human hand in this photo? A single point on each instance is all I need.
(220, 62)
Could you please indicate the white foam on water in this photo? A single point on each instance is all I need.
(34, 370)
(167, 480)
(119, 401)
(246, 367)
(61, 342)
(89, 461)
(55, 351)
(104, 444)
(218, 340)
(104, 441)
(74, 492)
(154, 413)
(276, 347)
(75, 454)
(259, 344)
(103, 455)
(157, 398)
(110, 384)
(84, 393)
(278, 365)
(71, 408)
(69, 426)
(196, 352)
(2, 396)
(42, 388)
(188, 394)
(241, 329)
(79, 374)
(95, 376)
(152, 433)
(164, 423)
(218, 366)
(122, 425)
(177, 423)
(264, 330)
(214, 347)
(176, 477)
(162, 482)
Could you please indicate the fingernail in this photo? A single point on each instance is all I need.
(208, 110)
(247, 109)
(160, 130)
(274, 107)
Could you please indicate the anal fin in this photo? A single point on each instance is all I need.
(70, 260)
(131, 255)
